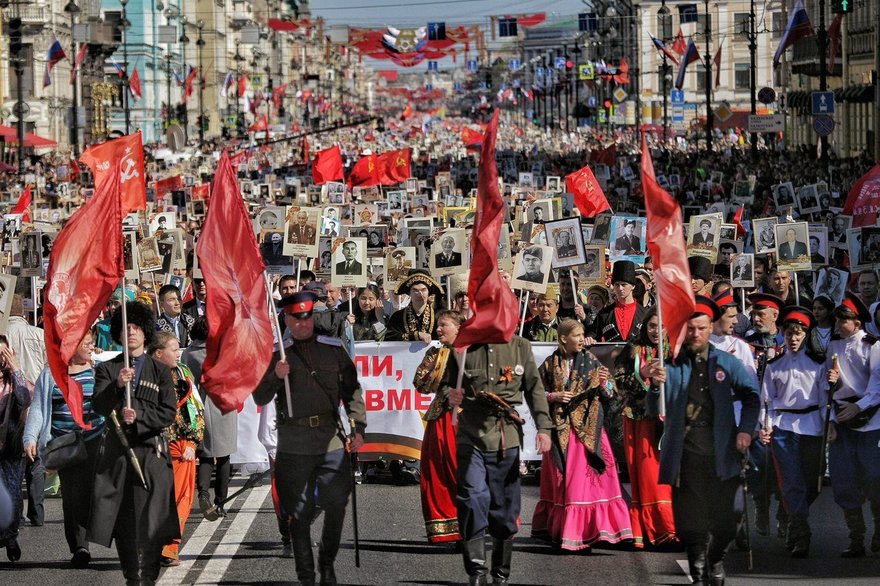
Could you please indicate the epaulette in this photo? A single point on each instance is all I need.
(869, 339)
(329, 341)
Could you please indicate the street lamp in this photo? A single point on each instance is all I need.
(184, 41)
(124, 25)
(72, 9)
(201, 44)
(239, 125)
(664, 18)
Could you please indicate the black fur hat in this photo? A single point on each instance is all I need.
(138, 314)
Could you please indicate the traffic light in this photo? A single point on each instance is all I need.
(488, 80)
(841, 6)
(15, 35)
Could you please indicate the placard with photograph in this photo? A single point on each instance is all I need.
(783, 196)
(728, 232)
(592, 272)
(334, 193)
(531, 268)
(349, 262)
(792, 250)
(831, 282)
(129, 254)
(539, 211)
(601, 229)
(398, 263)
(301, 231)
(704, 234)
(31, 255)
(870, 245)
(449, 253)
(179, 281)
(765, 236)
(505, 258)
(554, 183)
(161, 222)
(837, 227)
(742, 271)
(148, 257)
(365, 214)
(819, 245)
(7, 290)
(11, 231)
(627, 241)
(566, 238)
(272, 249)
(854, 245)
(808, 199)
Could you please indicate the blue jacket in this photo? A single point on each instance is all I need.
(39, 419)
(728, 382)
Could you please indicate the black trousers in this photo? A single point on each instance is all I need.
(703, 506)
(76, 498)
(206, 470)
(35, 478)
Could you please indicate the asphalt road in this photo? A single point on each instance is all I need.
(244, 548)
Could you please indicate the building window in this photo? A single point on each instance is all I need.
(779, 25)
(115, 19)
(741, 26)
(742, 76)
(701, 77)
(701, 22)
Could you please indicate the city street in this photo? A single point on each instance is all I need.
(244, 548)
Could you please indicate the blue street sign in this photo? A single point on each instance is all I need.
(823, 103)
(429, 86)
(539, 71)
(433, 66)
(515, 83)
(483, 86)
(823, 124)
(677, 96)
(559, 63)
(472, 65)
(514, 64)
(591, 101)
(456, 86)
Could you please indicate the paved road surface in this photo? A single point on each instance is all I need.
(244, 548)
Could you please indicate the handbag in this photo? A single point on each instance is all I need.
(65, 451)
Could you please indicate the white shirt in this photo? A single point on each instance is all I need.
(796, 381)
(29, 345)
(743, 352)
(859, 373)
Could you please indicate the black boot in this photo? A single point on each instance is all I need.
(474, 553)
(697, 563)
(327, 552)
(502, 552)
(715, 565)
(799, 536)
(855, 522)
(762, 517)
(781, 522)
(302, 556)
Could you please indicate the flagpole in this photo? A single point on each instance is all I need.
(126, 358)
(298, 262)
(273, 316)
(448, 292)
(35, 297)
(661, 410)
(522, 320)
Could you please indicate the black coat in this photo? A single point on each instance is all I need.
(155, 401)
(604, 328)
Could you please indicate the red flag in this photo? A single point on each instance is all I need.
(239, 345)
(408, 112)
(672, 276)
(863, 200)
(278, 95)
(305, 148)
(587, 192)
(163, 187)
(606, 156)
(679, 45)
(73, 171)
(495, 308)
(85, 267)
(242, 85)
(260, 124)
(737, 220)
(188, 84)
(471, 137)
(327, 166)
(716, 63)
(134, 84)
(833, 40)
(201, 192)
(80, 56)
(622, 76)
(365, 172)
(23, 206)
(128, 151)
(394, 167)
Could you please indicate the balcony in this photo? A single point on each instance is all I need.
(33, 18)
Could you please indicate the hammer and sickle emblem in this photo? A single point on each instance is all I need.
(128, 170)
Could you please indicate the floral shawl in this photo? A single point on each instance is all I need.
(585, 413)
(631, 388)
(427, 379)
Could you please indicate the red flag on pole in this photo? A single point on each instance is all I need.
(495, 308)
(239, 346)
(242, 85)
(188, 84)
(665, 232)
(716, 63)
(260, 124)
(365, 172)
(679, 45)
(327, 166)
(737, 221)
(128, 151)
(833, 40)
(85, 267)
(394, 166)
(471, 137)
(587, 192)
(134, 85)
(305, 148)
(23, 206)
(863, 200)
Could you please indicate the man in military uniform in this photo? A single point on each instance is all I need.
(703, 444)
(795, 388)
(488, 444)
(852, 456)
(312, 466)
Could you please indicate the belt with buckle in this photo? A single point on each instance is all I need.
(311, 421)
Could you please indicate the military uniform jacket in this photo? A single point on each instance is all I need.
(859, 362)
(508, 370)
(728, 382)
(321, 375)
(155, 401)
(604, 328)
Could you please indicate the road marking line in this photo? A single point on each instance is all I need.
(226, 550)
(685, 567)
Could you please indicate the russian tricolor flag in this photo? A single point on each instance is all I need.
(798, 27)
(56, 54)
(690, 55)
(661, 46)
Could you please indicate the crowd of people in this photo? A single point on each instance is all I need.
(771, 355)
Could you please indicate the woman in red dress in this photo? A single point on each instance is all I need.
(438, 482)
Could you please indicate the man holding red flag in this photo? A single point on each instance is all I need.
(502, 366)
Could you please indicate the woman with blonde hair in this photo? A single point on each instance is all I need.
(580, 497)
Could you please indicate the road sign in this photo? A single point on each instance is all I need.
(591, 101)
(677, 113)
(766, 95)
(723, 112)
(766, 123)
(823, 124)
(559, 63)
(472, 65)
(433, 66)
(586, 72)
(514, 64)
(456, 86)
(539, 71)
(619, 94)
(823, 103)
(677, 96)
(429, 86)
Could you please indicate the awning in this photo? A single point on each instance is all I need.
(31, 140)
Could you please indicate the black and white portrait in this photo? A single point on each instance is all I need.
(765, 235)
(566, 239)
(818, 245)
(592, 272)
(601, 229)
(783, 196)
(808, 199)
(831, 282)
(532, 268)
(742, 271)
(31, 255)
(448, 254)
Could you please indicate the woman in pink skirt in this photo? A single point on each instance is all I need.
(580, 502)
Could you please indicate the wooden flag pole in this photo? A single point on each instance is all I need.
(522, 321)
(273, 315)
(661, 410)
(125, 356)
